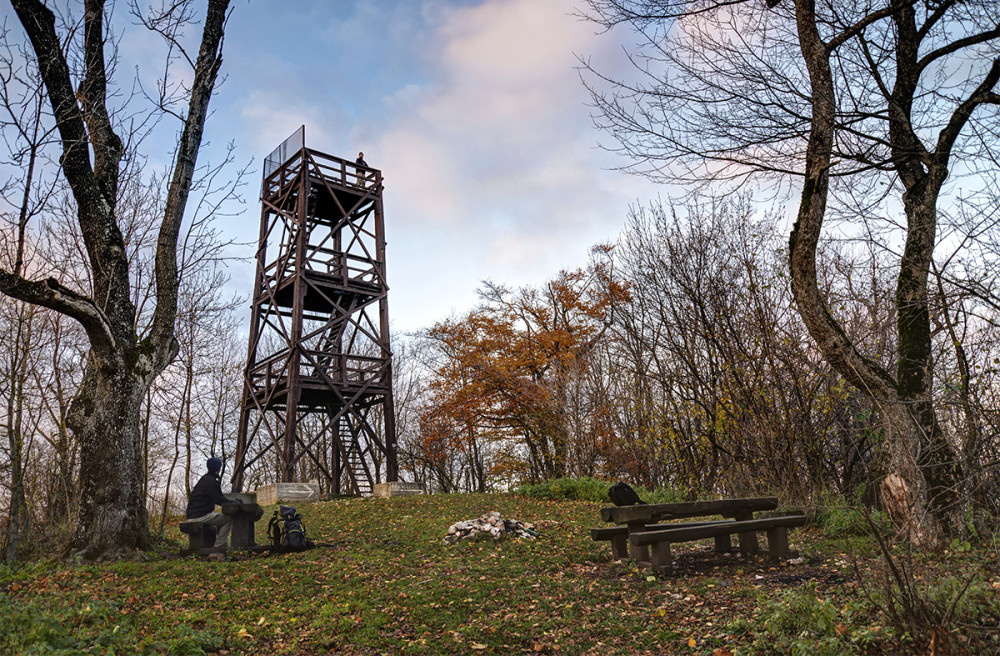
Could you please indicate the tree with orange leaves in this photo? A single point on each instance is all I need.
(506, 377)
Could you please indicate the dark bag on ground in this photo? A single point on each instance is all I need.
(287, 532)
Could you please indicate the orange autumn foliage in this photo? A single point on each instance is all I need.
(502, 374)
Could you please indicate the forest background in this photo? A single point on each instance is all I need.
(678, 358)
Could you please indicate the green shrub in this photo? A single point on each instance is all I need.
(663, 494)
(798, 622)
(90, 629)
(969, 602)
(24, 571)
(840, 517)
(25, 629)
(594, 489)
(922, 609)
(571, 489)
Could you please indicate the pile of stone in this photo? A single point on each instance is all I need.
(491, 524)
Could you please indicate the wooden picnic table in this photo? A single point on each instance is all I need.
(652, 513)
(642, 531)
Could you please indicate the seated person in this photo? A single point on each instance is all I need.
(206, 495)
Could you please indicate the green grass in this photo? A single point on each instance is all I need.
(586, 488)
(384, 583)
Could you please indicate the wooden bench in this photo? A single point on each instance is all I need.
(736, 508)
(201, 538)
(637, 518)
(656, 542)
(638, 528)
(618, 536)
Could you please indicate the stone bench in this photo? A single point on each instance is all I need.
(201, 538)
(243, 514)
(653, 546)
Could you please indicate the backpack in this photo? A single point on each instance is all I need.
(622, 494)
(286, 531)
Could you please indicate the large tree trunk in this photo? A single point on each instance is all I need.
(922, 474)
(105, 418)
(922, 174)
(921, 490)
(905, 488)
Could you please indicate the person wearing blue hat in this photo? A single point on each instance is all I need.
(205, 496)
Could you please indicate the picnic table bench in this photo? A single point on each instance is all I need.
(639, 536)
(244, 512)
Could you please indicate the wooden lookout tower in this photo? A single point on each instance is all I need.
(318, 378)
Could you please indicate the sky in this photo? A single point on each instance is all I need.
(473, 110)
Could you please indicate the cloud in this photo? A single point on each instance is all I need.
(502, 107)
(494, 153)
(502, 85)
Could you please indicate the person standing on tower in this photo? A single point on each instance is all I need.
(362, 176)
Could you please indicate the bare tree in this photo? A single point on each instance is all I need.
(58, 378)
(718, 391)
(205, 333)
(870, 107)
(121, 364)
(408, 388)
(19, 325)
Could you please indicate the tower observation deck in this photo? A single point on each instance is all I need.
(317, 388)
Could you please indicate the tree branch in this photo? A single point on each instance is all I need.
(52, 294)
(955, 46)
(861, 25)
(960, 117)
(93, 94)
(39, 24)
(161, 336)
(833, 342)
(95, 209)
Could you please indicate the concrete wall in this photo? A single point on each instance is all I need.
(268, 495)
(396, 489)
